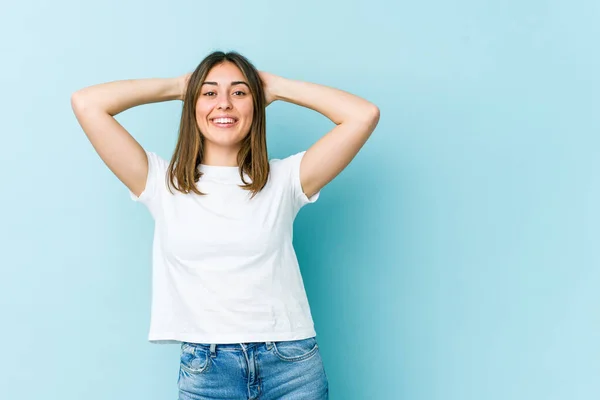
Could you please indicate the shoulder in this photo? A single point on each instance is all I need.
(156, 161)
(289, 163)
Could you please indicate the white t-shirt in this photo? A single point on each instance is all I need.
(224, 267)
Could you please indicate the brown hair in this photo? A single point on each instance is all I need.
(252, 158)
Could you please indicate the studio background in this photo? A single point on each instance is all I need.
(456, 258)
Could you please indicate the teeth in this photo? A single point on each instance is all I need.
(224, 120)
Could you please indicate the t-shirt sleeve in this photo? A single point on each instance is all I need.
(291, 171)
(155, 182)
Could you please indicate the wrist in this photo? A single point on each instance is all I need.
(277, 87)
(179, 87)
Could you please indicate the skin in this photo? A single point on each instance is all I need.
(354, 117)
(222, 94)
(354, 120)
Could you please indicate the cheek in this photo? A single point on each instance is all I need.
(201, 114)
(248, 112)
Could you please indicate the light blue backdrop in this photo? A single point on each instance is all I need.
(456, 258)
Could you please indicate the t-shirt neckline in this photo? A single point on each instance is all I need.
(224, 174)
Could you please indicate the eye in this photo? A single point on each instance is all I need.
(209, 93)
(242, 93)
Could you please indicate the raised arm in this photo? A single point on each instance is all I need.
(95, 108)
(355, 117)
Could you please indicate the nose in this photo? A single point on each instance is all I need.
(224, 103)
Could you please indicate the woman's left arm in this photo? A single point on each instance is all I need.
(355, 117)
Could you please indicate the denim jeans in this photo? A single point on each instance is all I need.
(290, 370)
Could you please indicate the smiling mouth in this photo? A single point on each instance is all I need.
(224, 122)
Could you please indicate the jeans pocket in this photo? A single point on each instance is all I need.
(194, 359)
(295, 350)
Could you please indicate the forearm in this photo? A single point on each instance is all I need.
(118, 96)
(337, 105)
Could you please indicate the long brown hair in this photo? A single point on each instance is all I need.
(252, 158)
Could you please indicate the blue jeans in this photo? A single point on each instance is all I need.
(290, 370)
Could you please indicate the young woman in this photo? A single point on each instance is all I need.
(226, 280)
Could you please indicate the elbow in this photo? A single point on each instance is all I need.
(367, 115)
(81, 101)
(371, 116)
(374, 113)
(77, 100)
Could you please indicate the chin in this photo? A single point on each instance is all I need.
(224, 142)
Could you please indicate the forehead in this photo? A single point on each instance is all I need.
(225, 73)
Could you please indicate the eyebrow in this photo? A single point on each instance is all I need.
(232, 83)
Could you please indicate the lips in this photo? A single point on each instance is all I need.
(224, 122)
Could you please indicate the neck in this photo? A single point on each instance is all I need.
(220, 156)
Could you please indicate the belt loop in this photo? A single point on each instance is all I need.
(269, 345)
(213, 350)
(187, 348)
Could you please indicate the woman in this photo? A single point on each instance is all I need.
(226, 281)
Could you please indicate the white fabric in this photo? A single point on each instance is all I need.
(224, 267)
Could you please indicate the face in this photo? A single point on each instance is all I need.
(224, 109)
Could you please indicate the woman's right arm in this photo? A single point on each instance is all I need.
(95, 108)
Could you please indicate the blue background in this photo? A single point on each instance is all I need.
(456, 258)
